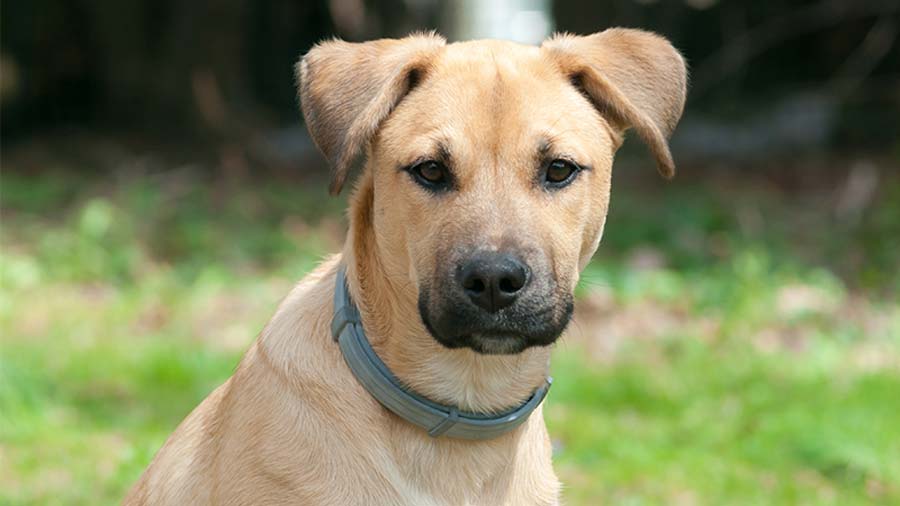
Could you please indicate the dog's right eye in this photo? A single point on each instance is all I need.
(431, 174)
(559, 173)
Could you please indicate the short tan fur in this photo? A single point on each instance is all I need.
(292, 425)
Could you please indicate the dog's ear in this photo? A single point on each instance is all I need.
(636, 79)
(346, 90)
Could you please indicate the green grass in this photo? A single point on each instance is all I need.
(712, 429)
(732, 346)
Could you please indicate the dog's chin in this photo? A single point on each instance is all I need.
(499, 344)
(487, 344)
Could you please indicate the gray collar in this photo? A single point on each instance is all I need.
(377, 379)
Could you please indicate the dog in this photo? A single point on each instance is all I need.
(483, 193)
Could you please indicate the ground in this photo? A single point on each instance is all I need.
(737, 338)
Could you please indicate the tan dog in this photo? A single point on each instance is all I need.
(484, 194)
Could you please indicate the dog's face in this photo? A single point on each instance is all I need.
(491, 165)
(491, 179)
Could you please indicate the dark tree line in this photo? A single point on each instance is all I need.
(219, 67)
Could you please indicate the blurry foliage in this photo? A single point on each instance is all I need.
(155, 224)
(722, 351)
(695, 226)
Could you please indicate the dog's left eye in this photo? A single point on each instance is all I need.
(560, 173)
(431, 174)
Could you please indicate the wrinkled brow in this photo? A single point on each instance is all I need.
(442, 152)
(438, 151)
(545, 147)
(548, 149)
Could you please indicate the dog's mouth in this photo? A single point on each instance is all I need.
(508, 332)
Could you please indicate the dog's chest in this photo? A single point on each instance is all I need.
(446, 471)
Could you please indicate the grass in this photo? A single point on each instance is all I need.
(731, 346)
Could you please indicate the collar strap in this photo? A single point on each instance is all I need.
(437, 419)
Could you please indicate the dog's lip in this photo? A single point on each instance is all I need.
(490, 334)
(494, 329)
(494, 337)
(496, 344)
(506, 332)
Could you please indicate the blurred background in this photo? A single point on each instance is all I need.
(737, 337)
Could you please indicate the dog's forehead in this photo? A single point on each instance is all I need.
(493, 78)
(489, 96)
(490, 55)
(493, 65)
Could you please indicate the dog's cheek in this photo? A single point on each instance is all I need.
(596, 206)
(590, 243)
(400, 228)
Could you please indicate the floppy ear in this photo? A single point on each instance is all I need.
(636, 79)
(346, 90)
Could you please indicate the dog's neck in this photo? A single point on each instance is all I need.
(388, 307)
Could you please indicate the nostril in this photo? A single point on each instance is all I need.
(513, 279)
(509, 285)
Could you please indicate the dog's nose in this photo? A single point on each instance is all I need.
(493, 280)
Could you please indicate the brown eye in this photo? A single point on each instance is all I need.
(560, 173)
(431, 174)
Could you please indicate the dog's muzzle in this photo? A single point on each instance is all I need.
(494, 303)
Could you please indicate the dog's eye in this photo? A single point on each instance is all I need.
(431, 174)
(560, 173)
